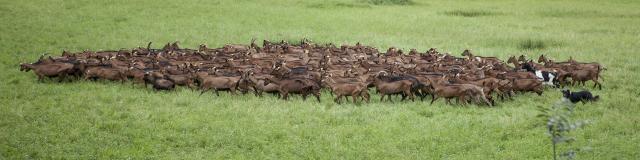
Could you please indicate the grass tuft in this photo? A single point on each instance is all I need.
(532, 44)
(352, 5)
(470, 13)
(571, 14)
(329, 5)
(536, 44)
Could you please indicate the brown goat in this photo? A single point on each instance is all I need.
(521, 75)
(298, 86)
(217, 83)
(136, 74)
(158, 83)
(183, 79)
(585, 75)
(506, 89)
(60, 70)
(259, 86)
(105, 73)
(489, 85)
(449, 91)
(533, 85)
(354, 90)
(389, 88)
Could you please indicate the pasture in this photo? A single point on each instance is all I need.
(109, 120)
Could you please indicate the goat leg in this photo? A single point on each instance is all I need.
(201, 92)
(61, 77)
(190, 85)
(354, 97)
(40, 78)
(412, 96)
(285, 96)
(596, 83)
(255, 91)
(433, 98)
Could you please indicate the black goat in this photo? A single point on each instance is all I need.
(582, 96)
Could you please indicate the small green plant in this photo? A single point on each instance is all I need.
(559, 124)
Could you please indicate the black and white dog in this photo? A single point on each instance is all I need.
(582, 96)
(547, 78)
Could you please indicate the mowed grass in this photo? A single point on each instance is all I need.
(109, 120)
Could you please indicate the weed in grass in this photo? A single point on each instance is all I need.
(559, 123)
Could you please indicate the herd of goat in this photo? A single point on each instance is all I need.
(305, 68)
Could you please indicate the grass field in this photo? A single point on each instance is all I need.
(107, 120)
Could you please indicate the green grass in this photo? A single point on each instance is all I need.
(107, 120)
